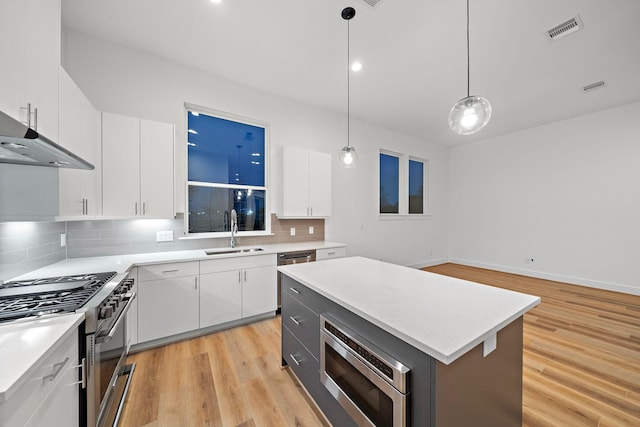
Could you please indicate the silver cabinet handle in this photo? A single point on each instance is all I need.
(35, 119)
(170, 271)
(195, 279)
(296, 361)
(245, 275)
(331, 253)
(144, 208)
(83, 373)
(239, 276)
(311, 209)
(294, 290)
(136, 208)
(56, 370)
(296, 321)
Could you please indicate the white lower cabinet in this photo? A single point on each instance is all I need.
(331, 253)
(235, 288)
(51, 394)
(168, 297)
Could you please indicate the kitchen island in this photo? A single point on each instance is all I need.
(461, 341)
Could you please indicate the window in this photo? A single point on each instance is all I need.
(402, 184)
(226, 170)
(389, 183)
(416, 186)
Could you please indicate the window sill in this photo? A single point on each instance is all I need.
(404, 217)
(225, 235)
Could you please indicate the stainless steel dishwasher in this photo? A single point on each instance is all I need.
(288, 258)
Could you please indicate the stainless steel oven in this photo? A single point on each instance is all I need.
(108, 376)
(369, 384)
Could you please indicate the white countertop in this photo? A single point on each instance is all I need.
(442, 316)
(24, 344)
(122, 263)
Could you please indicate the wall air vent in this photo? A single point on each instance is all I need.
(566, 28)
(372, 3)
(593, 86)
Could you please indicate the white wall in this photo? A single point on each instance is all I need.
(124, 81)
(566, 194)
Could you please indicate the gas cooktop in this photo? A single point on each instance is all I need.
(65, 294)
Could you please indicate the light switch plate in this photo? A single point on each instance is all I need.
(293, 231)
(63, 240)
(311, 229)
(164, 236)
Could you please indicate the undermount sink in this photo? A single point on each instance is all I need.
(231, 251)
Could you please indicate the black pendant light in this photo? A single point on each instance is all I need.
(471, 113)
(347, 156)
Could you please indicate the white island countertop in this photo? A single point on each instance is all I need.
(24, 344)
(442, 316)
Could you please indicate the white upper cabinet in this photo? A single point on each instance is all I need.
(80, 134)
(30, 51)
(306, 184)
(137, 167)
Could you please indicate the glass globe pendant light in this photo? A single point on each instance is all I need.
(347, 156)
(471, 113)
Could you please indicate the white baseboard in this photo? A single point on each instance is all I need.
(429, 263)
(550, 276)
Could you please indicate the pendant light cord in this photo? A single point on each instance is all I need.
(468, 61)
(348, 84)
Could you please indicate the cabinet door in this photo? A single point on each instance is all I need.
(120, 165)
(167, 307)
(295, 194)
(156, 169)
(259, 293)
(42, 31)
(13, 45)
(80, 134)
(319, 184)
(220, 297)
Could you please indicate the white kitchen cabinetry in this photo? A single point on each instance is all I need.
(168, 298)
(30, 49)
(306, 181)
(137, 167)
(330, 253)
(235, 288)
(51, 395)
(79, 194)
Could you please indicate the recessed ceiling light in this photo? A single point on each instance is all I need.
(356, 66)
(216, 1)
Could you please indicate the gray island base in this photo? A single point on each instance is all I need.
(447, 386)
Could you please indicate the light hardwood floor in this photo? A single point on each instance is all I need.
(581, 366)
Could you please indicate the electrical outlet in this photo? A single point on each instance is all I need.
(293, 231)
(164, 236)
(63, 240)
(489, 345)
(311, 229)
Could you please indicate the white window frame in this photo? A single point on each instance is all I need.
(403, 191)
(267, 167)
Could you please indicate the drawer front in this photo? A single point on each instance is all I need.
(311, 299)
(167, 271)
(42, 381)
(330, 253)
(237, 263)
(305, 366)
(302, 322)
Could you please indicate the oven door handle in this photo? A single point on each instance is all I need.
(108, 337)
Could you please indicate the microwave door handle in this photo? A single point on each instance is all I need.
(106, 338)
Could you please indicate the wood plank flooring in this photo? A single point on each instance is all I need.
(581, 351)
(581, 366)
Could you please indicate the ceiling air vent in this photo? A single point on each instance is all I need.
(593, 86)
(566, 28)
(372, 3)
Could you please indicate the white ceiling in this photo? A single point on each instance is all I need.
(413, 51)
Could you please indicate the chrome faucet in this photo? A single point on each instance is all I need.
(234, 228)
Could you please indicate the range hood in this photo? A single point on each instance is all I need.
(24, 146)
